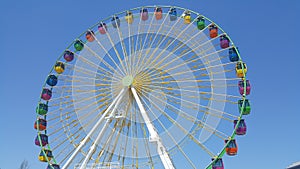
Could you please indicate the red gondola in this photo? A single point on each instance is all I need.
(40, 124)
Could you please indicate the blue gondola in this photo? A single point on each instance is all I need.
(115, 21)
(233, 56)
(51, 80)
(173, 14)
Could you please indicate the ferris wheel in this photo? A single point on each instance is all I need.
(149, 87)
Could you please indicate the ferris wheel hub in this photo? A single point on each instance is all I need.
(127, 80)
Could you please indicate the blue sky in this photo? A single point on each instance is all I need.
(34, 33)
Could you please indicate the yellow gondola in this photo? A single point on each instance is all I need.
(44, 156)
(187, 18)
(240, 69)
(129, 17)
(59, 67)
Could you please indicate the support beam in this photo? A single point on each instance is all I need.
(93, 147)
(87, 137)
(154, 137)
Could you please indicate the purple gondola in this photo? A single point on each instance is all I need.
(102, 28)
(144, 14)
(241, 128)
(224, 41)
(44, 140)
(68, 56)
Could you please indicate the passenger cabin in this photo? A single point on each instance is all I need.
(42, 109)
(53, 166)
(187, 17)
(241, 127)
(59, 67)
(240, 69)
(44, 140)
(68, 56)
(51, 80)
(144, 14)
(200, 23)
(247, 107)
(90, 36)
(242, 87)
(47, 156)
(78, 45)
(213, 31)
(115, 21)
(46, 94)
(173, 14)
(224, 41)
(40, 124)
(233, 55)
(129, 17)
(218, 164)
(231, 148)
(102, 28)
(158, 13)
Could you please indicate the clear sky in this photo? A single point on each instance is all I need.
(34, 33)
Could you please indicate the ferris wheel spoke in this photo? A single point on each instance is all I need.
(129, 47)
(116, 52)
(143, 46)
(179, 46)
(182, 45)
(201, 124)
(194, 80)
(122, 72)
(70, 102)
(92, 130)
(116, 140)
(77, 78)
(151, 56)
(206, 107)
(103, 152)
(124, 125)
(68, 96)
(160, 76)
(185, 54)
(183, 129)
(96, 75)
(89, 72)
(90, 63)
(170, 135)
(81, 128)
(159, 33)
(165, 158)
(77, 121)
(193, 97)
(135, 52)
(179, 35)
(125, 146)
(154, 40)
(99, 136)
(169, 88)
(102, 60)
(123, 48)
(148, 152)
